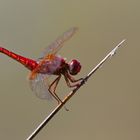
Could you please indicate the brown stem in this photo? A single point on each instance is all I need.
(53, 113)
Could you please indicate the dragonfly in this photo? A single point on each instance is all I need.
(50, 63)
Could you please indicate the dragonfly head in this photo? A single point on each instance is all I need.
(74, 67)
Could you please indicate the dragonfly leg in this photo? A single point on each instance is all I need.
(55, 83)
(72, 79)
(69, 78)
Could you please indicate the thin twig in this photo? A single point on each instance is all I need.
(50, 116)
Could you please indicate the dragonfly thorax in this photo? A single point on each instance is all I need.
(53, 66)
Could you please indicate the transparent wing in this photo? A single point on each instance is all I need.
(40, 85)
(48, 54)
(55, 46)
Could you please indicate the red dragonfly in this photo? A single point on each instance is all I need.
(49, 64)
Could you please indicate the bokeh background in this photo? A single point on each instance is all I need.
(108, 106)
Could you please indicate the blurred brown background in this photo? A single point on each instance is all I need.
(108, 106)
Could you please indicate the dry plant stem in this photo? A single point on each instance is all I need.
(50, 116)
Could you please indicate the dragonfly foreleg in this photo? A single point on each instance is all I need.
(68, 82)
(72, 79)
(69, 78)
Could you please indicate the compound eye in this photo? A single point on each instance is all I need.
(74, 67)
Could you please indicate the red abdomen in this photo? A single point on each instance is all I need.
(29, 63)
